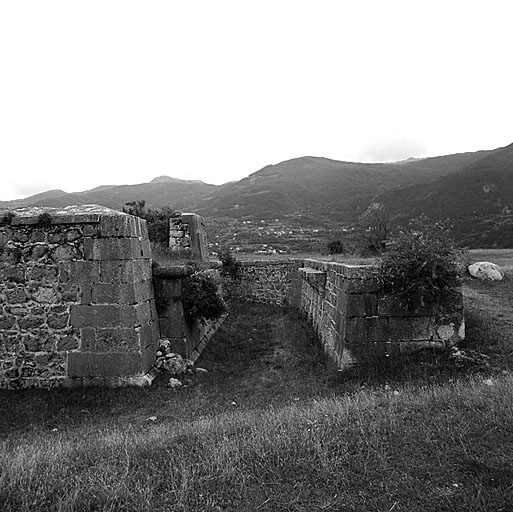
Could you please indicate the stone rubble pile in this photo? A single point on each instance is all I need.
(180, 370)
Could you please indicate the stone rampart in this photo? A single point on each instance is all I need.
(76, 298)
(355, 319)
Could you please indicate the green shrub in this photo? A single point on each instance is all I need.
(335, 247)
(44, 219)
(201, 299)
(156, 220)
(231, 267)
(6, 218)
(421, 265)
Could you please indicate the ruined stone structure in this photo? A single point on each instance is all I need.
(187, 338)
(76, 298)
(78, 305)
(187, 234)
(348, 309)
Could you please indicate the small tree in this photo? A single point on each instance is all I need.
(231, 267)
(422, 265)
(335, 247)
(376, 221)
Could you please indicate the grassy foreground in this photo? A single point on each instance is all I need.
(274, 426)
(442, 448)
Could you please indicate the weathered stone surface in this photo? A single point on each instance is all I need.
(103, 315)
(410, 328)
(107, 249)
(30, 321)
(65, 252)
(126, 226)
(88, 339)
(42, 272)
(78, 272)
(46, 295)
(7, 321)
(14, 274)
(486, 270)
(111, 364)
(58, 321)
(361, 330)
(117, 340)
(16, 295)
(108, 293)
(117, 271)
(361, 305)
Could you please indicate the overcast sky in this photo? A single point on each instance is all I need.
(113, 92)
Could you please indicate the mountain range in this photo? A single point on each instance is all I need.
(473, 190)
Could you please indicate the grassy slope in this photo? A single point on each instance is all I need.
(274, 426)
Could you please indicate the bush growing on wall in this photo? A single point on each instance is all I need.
(421, 265)
(157, 220)
(201, 299)
(335, 247)
(231, 267)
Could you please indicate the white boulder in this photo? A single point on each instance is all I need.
(486, 270)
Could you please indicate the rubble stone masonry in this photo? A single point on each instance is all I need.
(76, 296)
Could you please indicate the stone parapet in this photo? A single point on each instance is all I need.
(355, 319)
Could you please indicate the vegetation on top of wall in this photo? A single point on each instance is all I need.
(201, 298)
(422, 265)
(231, 267)
(44, 219)
(6, 218)
(335, 247)
(156, 220)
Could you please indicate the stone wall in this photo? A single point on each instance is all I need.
(268, 282)
(76, 298)
(355, 320)
(188, 338)
(187, 234)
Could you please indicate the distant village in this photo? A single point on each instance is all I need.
(272, 237)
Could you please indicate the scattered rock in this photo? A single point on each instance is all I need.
(486, 270)
(174, 383)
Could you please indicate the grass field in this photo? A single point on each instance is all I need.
(274, 426)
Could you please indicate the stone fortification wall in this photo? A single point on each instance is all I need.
(187, 338)
(76, 297)
(187, 234)
(268, 282)
(355, 320)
